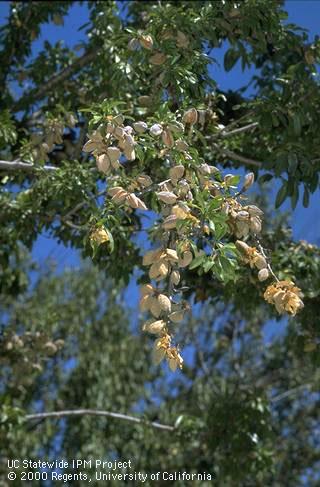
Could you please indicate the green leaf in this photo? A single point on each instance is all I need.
(234, 181)
(306, 197)
(293, 163)
(282, 194)
(296, 124)
(208, 265)
(212, 226)
(230, 59)
(220, 231)
(265, 178)
(197, 261)
(111, 240)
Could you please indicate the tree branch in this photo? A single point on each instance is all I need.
(81, 228)
(238, 157)
(23, 166)
(290, 392)
(93, 412)
(237, 131)
(28, 166)
(40, 93)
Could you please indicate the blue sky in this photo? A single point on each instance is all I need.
(305, 13)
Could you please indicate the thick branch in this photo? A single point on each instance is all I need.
(238, 157)
(23, 166)
(28, 166)
(55, 80)
(93, 412)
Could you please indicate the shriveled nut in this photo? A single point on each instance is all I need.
(176, 127)
(51, 348)
(172, 255)
(181, 210)
(204, 169)
(186, 259)
(156, 130)
(170, 222)
(130, 154)
(151, 256)
(146, 41)
(146, 289)
(158, 58)
(155, 307)
(159, 270)
(254, 210)
(155, 327)
(103, 163)
(263, 274)
(119, 133)
(135, 202)
(144, 180)
(248, 181)
(255, 224)
(190, 116)
(113, 153)
(176, 172)
(145, 302)
(182, 40)
(164, 303)
(167, 138)
(181, 145)
(133, 44)
(242, 215)
(167, 197)
(175, 277)
(118, 194)
(118, 119)
(242, 246)
(140, 127)
(260, 262)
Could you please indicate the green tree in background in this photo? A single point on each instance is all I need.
(131, 121)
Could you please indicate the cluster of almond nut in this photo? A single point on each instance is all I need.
(284, 295)
(181, 218)
(51, 133)
(118, 140)
(164, 265)
(165, 312)
(251, 256)
(32, 349)
(243, 219)
(146, 41)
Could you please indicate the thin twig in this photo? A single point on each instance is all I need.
(261, 249)
(81, 205)
(82, 228)
(93, 412)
